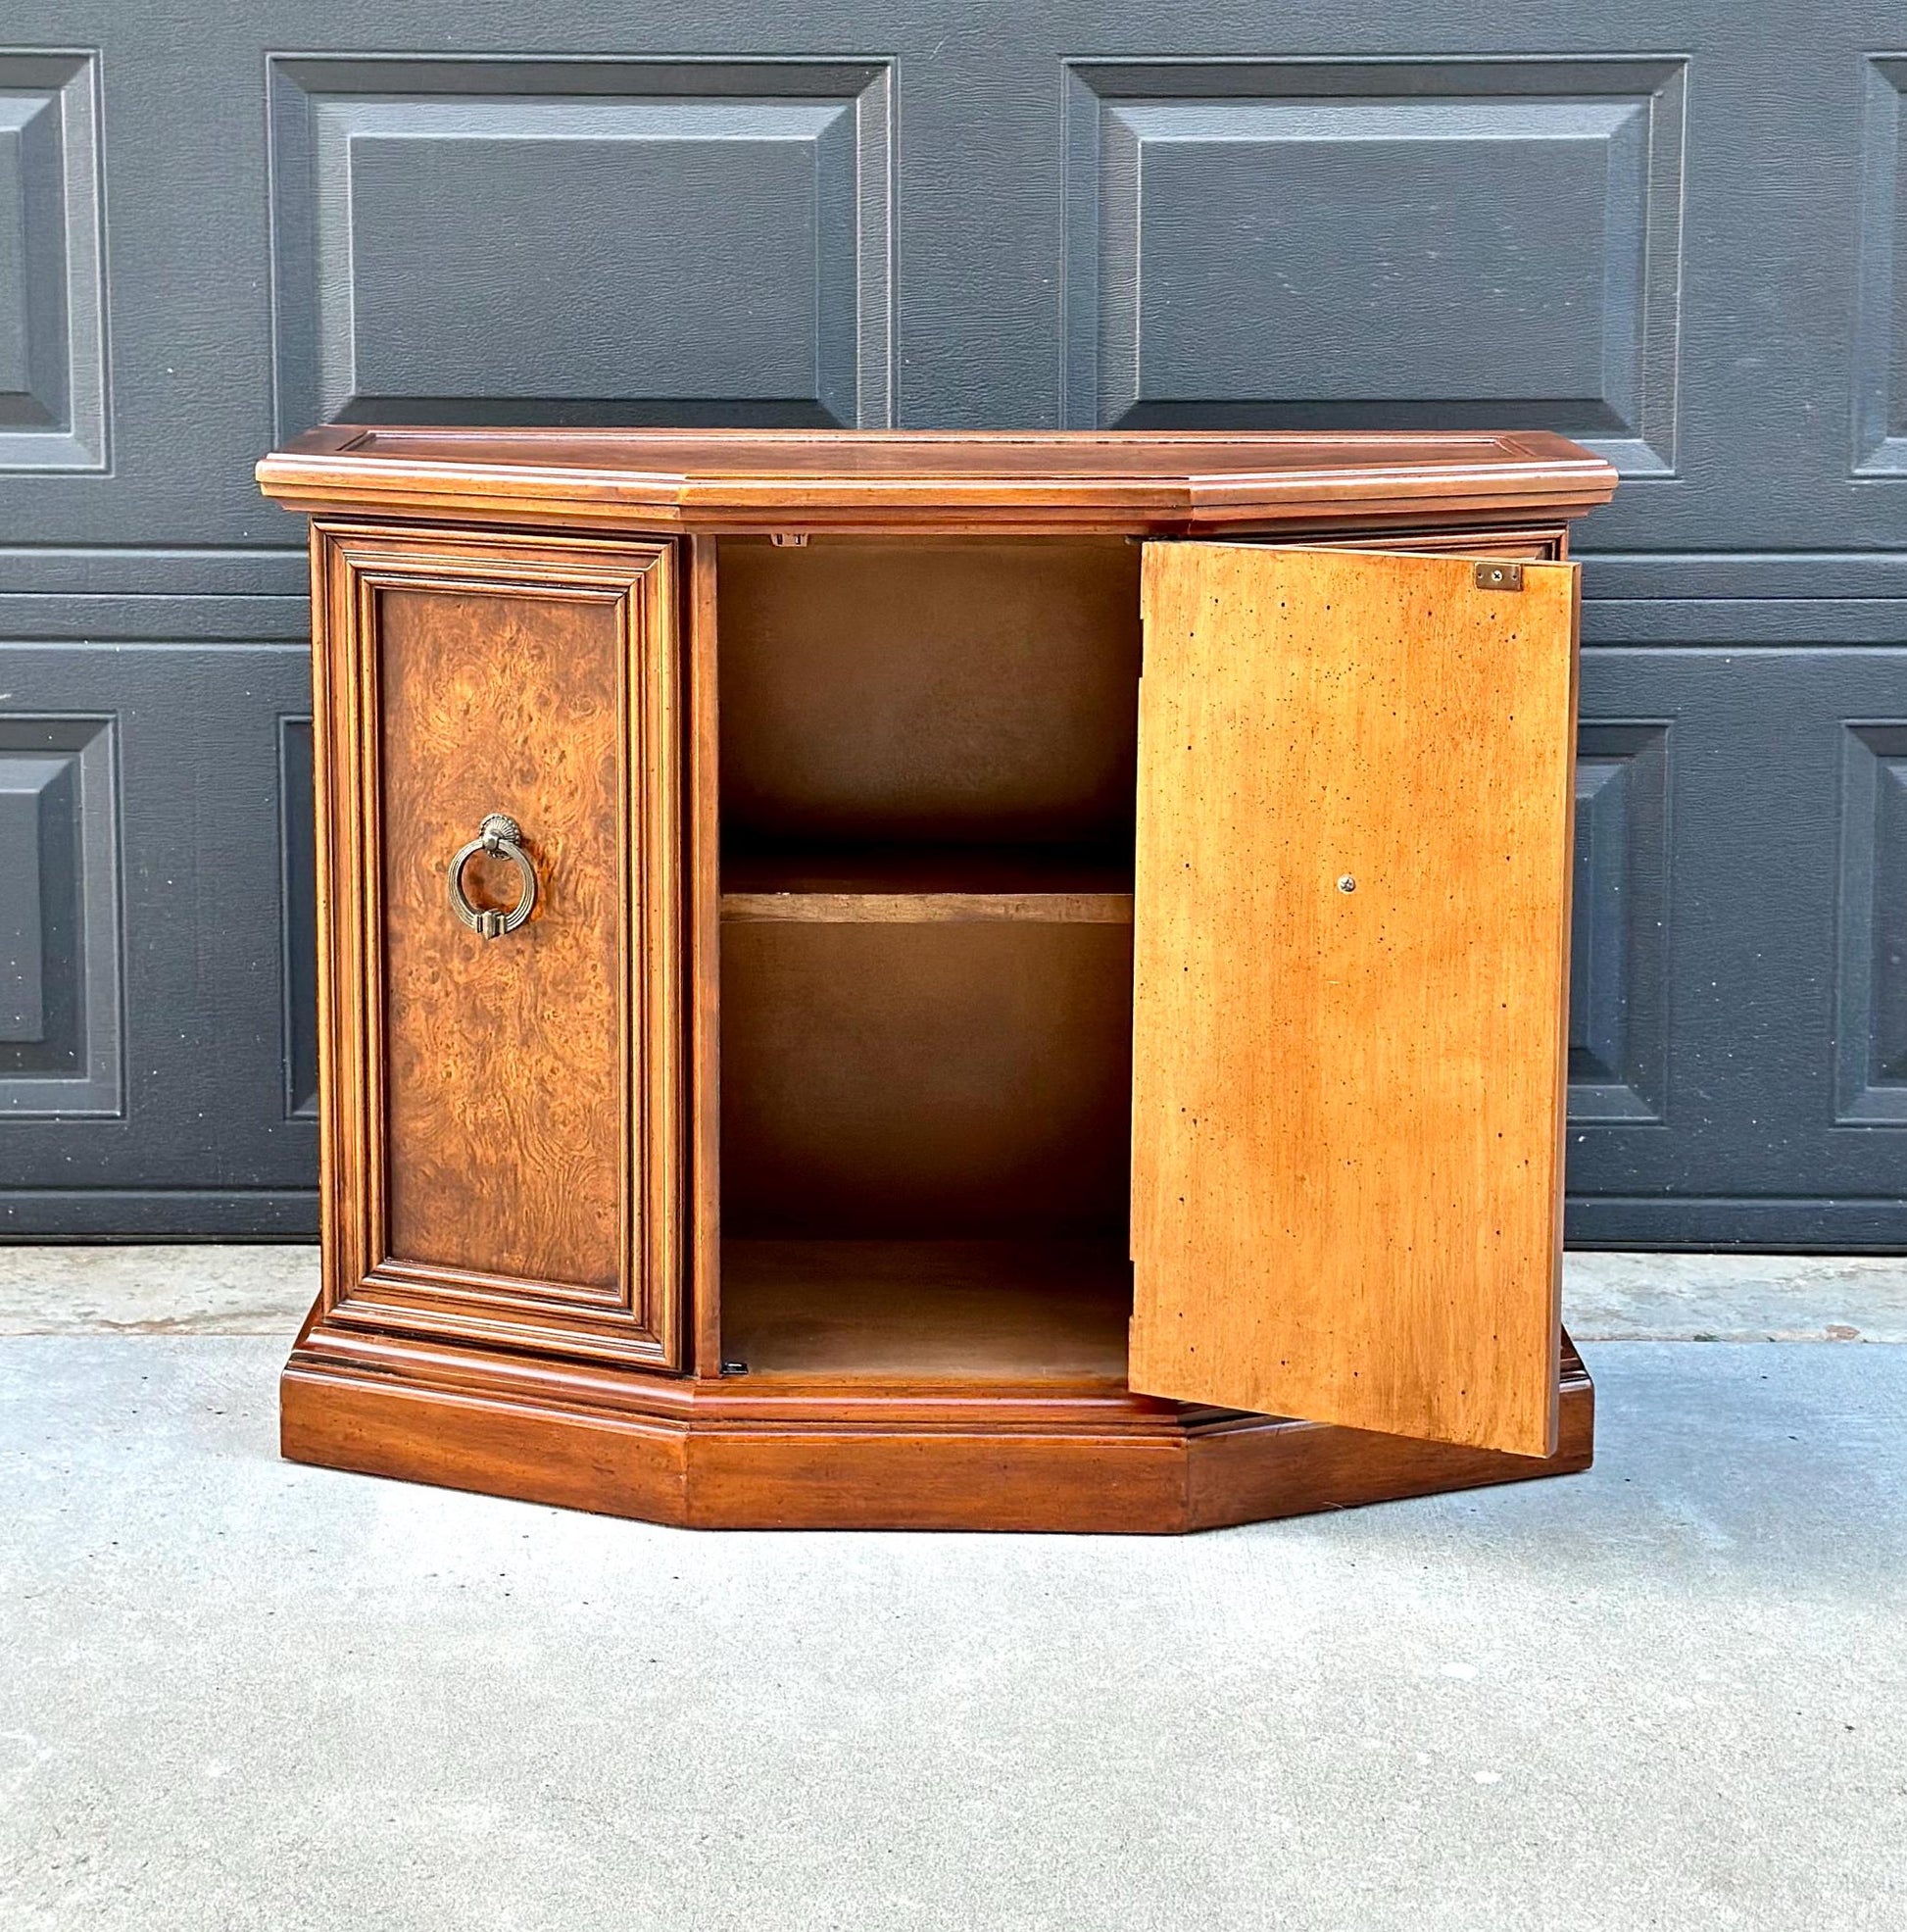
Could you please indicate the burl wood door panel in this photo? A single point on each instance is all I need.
(502, 1110)
(1351, 912)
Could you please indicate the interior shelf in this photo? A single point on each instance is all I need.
(918, 885)
(1005, 1311)
(927, 759)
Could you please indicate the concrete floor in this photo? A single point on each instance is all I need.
(1671, 1692)
(181, 1288)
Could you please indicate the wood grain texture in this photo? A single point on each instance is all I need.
(928, 908)
(782, 1453)
(908, 885)
(918, 1310)
(796, 479)
(1535, 545)
(503, 1119)
(1347, 1104)
(501, 1085)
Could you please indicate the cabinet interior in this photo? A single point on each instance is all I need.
(927, 782)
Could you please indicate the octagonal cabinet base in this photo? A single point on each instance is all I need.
(807, 1456)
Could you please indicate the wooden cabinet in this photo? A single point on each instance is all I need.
(1006, 982)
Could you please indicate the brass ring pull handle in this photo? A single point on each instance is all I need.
(501, 839)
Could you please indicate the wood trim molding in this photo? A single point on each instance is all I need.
(1156, 483)
(1057, 1458)
(637, 1319)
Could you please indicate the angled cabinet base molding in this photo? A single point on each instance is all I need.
(887, 980)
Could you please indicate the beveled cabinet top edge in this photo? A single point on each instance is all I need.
(742, 478)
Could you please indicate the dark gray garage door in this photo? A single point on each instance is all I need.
(1676, 231)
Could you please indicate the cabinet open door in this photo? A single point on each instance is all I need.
(1352, 930)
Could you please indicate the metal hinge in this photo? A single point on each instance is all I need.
(1500, 577)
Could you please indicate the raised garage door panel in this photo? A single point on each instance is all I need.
(1351, 910)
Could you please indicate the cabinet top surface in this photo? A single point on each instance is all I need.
(743, 477)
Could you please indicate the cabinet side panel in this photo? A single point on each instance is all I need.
(503, 1070)
(336, 771)
(1350, 930)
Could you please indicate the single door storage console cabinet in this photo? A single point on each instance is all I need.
(989, 981)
